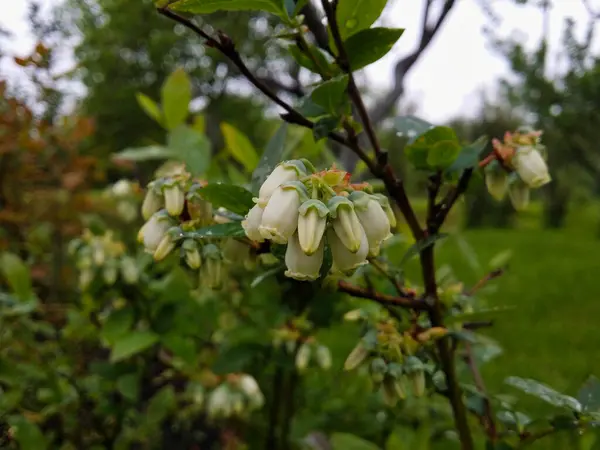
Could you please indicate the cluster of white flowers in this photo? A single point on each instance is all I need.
(236, 397)
(306, 211)
(124, 193)
(523, 153)
(170, 201)
(102, 255)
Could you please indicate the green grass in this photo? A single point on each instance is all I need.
(552, 334)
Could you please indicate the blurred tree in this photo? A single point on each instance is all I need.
(563, 100)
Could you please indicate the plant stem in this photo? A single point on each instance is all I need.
(487, 419)
(384, 299)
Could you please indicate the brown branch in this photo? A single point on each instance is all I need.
(382, 299)
(485, 280)
(312, 19)
(448, 202)
(487, 420)
(476, 325)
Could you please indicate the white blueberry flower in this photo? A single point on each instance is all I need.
(122, 188)
(250, 388)
(301, 266)
(212, 269)
(153, 231)
(345, 223)
(152, 201)
(303, 357)
(129, 270)
(519, 194)
(283, 173)
(496, 183)
(324, 357)
(219, 402)
(174, 198)
(389, 211)
(373, 219)
(252, 223)
(531, 167)
(311, 225)
(191, 253)
(166, 244)
(280, 217)
(110, 272)
(343, 259)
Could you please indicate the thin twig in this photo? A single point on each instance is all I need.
(383, 299)
(447, 203)
(487, 419)
(485, 280)
(375, 263)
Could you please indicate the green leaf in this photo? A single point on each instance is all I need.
(191, 147)
(480, 315)
(309, 108)
(589, 395)
(469, 155)
(240, 147)
(347, 441)
(356, 15)
(130, 344)
(324, 126)
(320, 65)
(411, 127)
(500, 261)
(117, 324)
(270, 158)
(443, 154)
(421, 245)
(176, 95)
(231, 229)
(331, 94)
(271, 272)
(16, 274)
(161, 405)
(27, 434)
(149, 153)
(129, 386)
(418, 152)
(370, 45)
(150, 107)
(236, 358)
(210, 6)
(543, 392)
(229, 196)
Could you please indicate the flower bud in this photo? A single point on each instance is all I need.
(98, 253)
(378, 369)
(283, 173)
(390, 396)
(86, 277)
(415, 370)
(354, 315)
(122, 188)
(166, 244)
(303, 357)
(323, 357)
(311, 225)
(252, 223)
(213, 267)
(300, 266)
(343, 259)
(373, 219)
(192, 253)
(280, 218)
(518, 193)
(129, 270)
(109, 272)
(356, 357)
(174, 198)
(400, 387)
(387, 208)
(248, 385)
(152, 232)
(345, 223)
(219, 404)
(531, 167)
(496, 183)
(152, 202)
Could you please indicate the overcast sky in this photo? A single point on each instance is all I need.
(447, 81)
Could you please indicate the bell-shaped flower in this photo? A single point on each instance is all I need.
(280, 218)
(174, 197)
(219, 402)
(518, 193)
(167, 243)
(343, 259)
(129, 270)
(212, 269)
(303, 357)
(496, 182)
(153, 231)
(191, 251)
(311, 225)
(152, 201)
(323, 357)
(252, 223)
(286, 171)
(110, 272)
(345, 223)
(301, 266)
(387, 208)
(250, 388)
(531, 167)
(373, 219)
